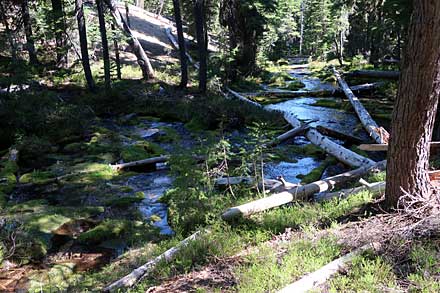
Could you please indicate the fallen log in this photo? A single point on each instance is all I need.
(339, 135)
(131, 279)
(142, 58)
(242, 98)
(299, 192)
(375, 74)
(289, 134)
(374, 188)
(150, 161)
(379, 134)
(176, 46)
(384, 147)
(319, 277)
(339, 152)
(317, 93)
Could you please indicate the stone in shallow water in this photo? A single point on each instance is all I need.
(148, 133)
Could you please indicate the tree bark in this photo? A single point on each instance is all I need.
(104, 43)
(60, 32)
(414, 112)
(117, 58)
(83, 44)
(30, 45)
(379, 134)
(142, 58)
(201, 43)
(181, 41)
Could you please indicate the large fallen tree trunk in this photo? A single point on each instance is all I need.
(379, 134)
(317, 93)
(339, 135)
(384, 147)
(150, 161)
(131, 279)
(373, 188)
(375, 74)
(319, 277)
(300, 192)
(142, 58)
(289, 134)
(176, 46)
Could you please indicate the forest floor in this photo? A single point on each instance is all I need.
(69, 222)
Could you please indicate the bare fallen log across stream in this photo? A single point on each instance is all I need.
(142, 58)
(375, 74)
(374, 188)
(290, 134)
(176, 46)
(319, 277)
(149, 161)
(317, 93)
(384, 147)
(299, 192)
(379, 134)
(131, 279)
(339, 135)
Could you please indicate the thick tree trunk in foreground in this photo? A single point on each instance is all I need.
(60, 31)
(414, 112)
(104, 43)
(201, 43)
(379, 134)
(181, 40)
(30, 46)
(83, 43)
(142, 58)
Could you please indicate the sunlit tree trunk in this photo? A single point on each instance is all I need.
(414, 112)
(30, 46)
(104, 42)
(83, 43)
(181, 41)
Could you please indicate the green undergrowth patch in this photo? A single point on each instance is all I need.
(367, 273)
(424, 267)
(316, 173)
(125, 201)
(266, 271)
(140, 150)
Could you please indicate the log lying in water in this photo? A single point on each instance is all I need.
(290, 134)
(131, 279)
(176, 46)
(319, 277)
(384, 147)
(374, 188)
(339, 135)
(342, 154)
(317, 93)
(375, 74)
(300, 192)
(379, 134)
(150, 161)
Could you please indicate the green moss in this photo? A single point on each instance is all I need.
(294, 85)
(91, 172)
(126, 201)
(171, 135)
(141, 150)
(359, 151)
(376, 177)
(108, 229)
(328, 103)
(57, 279)
(38, 177)
(316, 173)
(309, 150)
(75, 147)
(3, 201)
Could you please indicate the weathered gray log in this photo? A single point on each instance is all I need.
(384, 147)
(375, 74)
(131, 279)
(289, 134)
(379, 134)
(338, 134)
(142, 58)
(242, 98)
(374, 188)
(342, 154)
(176, 46)
(150, 161)
(319, 277)
(300, 192)
(317, 93)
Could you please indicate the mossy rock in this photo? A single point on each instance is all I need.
(108, 229)
(295, 85)
(125, 201)
(308, 150)
(141, 150)
(92, 172)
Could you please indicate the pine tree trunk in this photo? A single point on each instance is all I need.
(60, 32)
(201, 43)
(181, 40)
(104, 43)
(83, 44)
(30, 46)
(117, 58)
(414, 112)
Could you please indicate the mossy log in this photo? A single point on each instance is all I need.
(373, 188)
(379, 134)
(375, 74)
(142, 58)
(299, 192)
(319, 277)
(131, 279)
